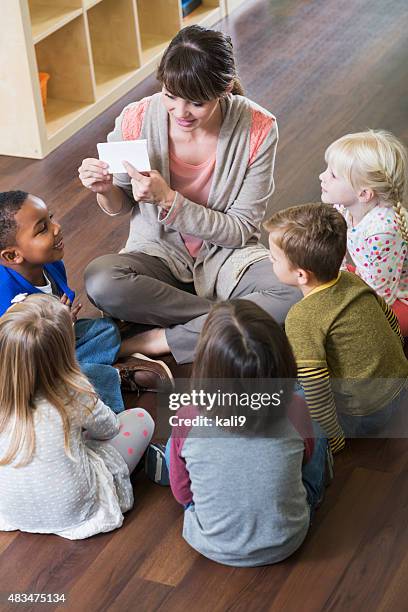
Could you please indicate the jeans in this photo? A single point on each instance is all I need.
(371, 424)
(167, 454)
(97, 343)
(314, 471)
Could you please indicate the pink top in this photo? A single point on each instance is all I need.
(194, 183)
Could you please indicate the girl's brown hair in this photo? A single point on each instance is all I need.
(241, 341)
(199, 65)
(37, 356)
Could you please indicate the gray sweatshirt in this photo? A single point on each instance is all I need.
(247, 501)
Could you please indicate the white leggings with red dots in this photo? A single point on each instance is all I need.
(136, 431)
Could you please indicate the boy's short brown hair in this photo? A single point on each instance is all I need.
(312, 236)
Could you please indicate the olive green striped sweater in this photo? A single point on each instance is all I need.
(348, 347)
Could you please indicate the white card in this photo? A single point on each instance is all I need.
(132, 151)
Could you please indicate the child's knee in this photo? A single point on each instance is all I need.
(146, 419)
(138, 419)
(150, 425)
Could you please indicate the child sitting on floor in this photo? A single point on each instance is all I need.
(31, 251)
(248, 490)
(55, 477)
(346, 340)
(366, 179)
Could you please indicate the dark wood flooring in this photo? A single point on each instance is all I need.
(324, 67)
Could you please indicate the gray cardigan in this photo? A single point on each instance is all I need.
(240, 193)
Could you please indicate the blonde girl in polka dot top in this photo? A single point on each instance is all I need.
(65, 457)
(365, 179)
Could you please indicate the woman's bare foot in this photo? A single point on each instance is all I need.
(152, 343)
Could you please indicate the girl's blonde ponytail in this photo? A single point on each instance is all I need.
(401, 217)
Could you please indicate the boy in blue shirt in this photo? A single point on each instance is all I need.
(31, 251)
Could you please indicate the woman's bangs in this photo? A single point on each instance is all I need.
(188, 85)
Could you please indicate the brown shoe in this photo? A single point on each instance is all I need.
(140, 373)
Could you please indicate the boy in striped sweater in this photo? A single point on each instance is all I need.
(346, 340)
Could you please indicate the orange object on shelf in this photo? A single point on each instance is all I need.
(44, 76)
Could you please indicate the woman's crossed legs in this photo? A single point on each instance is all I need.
(141, 288)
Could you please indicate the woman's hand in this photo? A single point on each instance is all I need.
(150, 187)
(94, 175)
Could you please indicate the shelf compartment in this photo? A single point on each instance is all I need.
(60, 113)
(206, 14)
(49, 16)
(159, 22)
(109, 78)
(90, 3)
(115, 52)
(71, 85)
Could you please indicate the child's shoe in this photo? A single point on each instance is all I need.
(155, 464)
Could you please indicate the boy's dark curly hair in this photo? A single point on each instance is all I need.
(10, 204)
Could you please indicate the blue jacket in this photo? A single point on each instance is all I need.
(12, 283)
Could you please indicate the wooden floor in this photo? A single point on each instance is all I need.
(324, 67)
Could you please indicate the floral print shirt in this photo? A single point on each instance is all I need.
(379, 252)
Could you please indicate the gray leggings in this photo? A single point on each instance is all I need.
(136, 431)
(140, 288)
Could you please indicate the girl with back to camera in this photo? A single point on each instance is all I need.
(65, 457)
(249, 491)
(196, 217)
(366, 180)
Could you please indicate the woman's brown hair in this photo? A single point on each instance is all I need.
(199, 65)
(241, 342)
(37, 356)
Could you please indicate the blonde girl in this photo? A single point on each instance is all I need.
(365, 179)
(65, 457)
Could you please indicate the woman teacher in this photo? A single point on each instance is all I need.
(196, 218)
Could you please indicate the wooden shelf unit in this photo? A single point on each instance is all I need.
(204, 15)
(71, 87)
(115, 57)
(90, 3)
(95, 51)
(159, 21)
(47, 16)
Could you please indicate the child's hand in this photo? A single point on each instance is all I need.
(94, 175)
(74, 308)
(74, 312)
